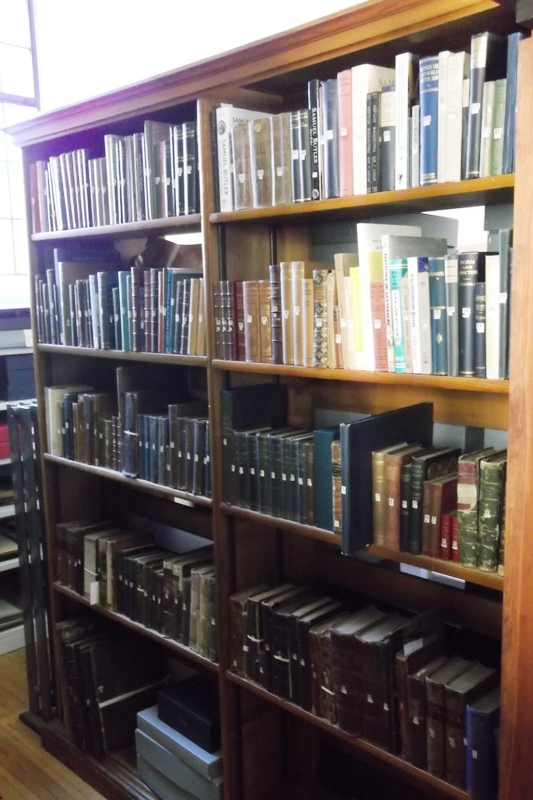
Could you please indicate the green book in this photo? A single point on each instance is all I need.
(491, 473)
(496, 161)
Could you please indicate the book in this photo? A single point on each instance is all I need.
(487, 129)
(504, 251)
(406, 79)
(435, 712)
(416, 750)
(468, 504)
(430, 89)
(471, 267)
(281, 159)
(458, 70)
(345, 143)
(427, 465)
(387, 138)
(509, 132)
(482, 718)
(480, 364)
(287, 312)
(260, 134)
(227, 117)
(491, 487)
(443, 501)
(330, 124)
(365, 78)
(358, 440)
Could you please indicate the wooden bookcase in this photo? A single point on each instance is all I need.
(271, 748)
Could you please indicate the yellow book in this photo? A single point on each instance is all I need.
(357, 321)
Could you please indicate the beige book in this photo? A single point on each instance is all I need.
(196, 635)
(200, 340)
(265, 322)
(308, 320)
(407, 331)
(194, 308)
(343, 262)
(287, 318)
(242, 174)
(297, 276)
(331, 301)
(250, 290)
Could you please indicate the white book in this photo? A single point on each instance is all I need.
(366, 78)
(369, 240)
(406, 79)
(415, 147)
(492, 315)
(487, 128)
(227, 116)
(458, 69)
(297, 276)
(444, 57)
(420, 314)
(343, 262)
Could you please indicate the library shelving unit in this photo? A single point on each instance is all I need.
(272, 748)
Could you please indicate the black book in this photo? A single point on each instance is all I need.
(290, 465)
(331, 135)
(304, 481)
(188, 454)
(136, 317)
(271, 502)
(313, 103)
(199, 434)
(387, 138)
(480, 364)
(214, 156)
(374, 141)
(190, 168)
(207, 489)
(162, 450)
(405, 505)
(305, 160)
(358, 440)
(297, 188)
(426, 467)
(471, 271)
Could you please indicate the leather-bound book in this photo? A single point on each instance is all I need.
(467, 504)
(320, 349)
(238, 627)
(254, 628)
(435, 710)
(308, 321)
(457, 694)
(294, 449)
(276, 333)
(394, 461)
(491, 487)
(322, 690)
(482, 719)
(240, 339)
(218, 311)
(301, 670)
(323, 476)
(411, 658)
(426, 466)
(265, 322)
(346, 668)
(261, 161)
(416, 751)
(271, 484)
(273, 673)
(443, 500)
(251, 321)
(242, 176)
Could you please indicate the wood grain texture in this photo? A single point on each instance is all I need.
(27, 772)
(517, 677)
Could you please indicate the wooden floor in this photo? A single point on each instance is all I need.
(27, 772)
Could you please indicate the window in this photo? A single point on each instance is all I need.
(19, 100)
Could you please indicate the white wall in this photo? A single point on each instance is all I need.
(88, 48)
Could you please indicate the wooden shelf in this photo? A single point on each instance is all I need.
(124, 355)
(176, 647)
(190, 222)
(136, 483)
(284, 524)
(418, 777)
(361, 376)
(491, 580)
(479, 191)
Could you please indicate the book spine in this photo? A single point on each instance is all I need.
(331, 144)
(406, 79)
(314, 136)
(451, 278)
(265, 322)
(405, 506)
(468, 276)
(496, 160)
(415, 146)
(437, 293)
(252, 321)
(297, 188)
(490, 496)
(387, 139)
(320, 350)
(393, 468)
(275, 314)
(337, 485)
(429, 119)
(445, 551)
(504, 249)
(415, 511)
(509, 134)
(480, 370)
(304, 156)
(344, 90)
(479, 45)
(467, 515)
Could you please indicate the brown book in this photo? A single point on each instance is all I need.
(394, 462)
(239, 320)
(108, 549)
(416, 711)
(238, 607)
(281, 158)
(322, 689)
(321, 345)
(301, 671)
(435, 707)
(275, 314)
(261, 161)
(242, 176)
(308, 321)
(347, 666)
(251, 321)
(194, 311)
(379, 492)
(199, 624)
(443, 493)
(269, 657)
(338, 337)
(265, 322)
(409, 659)
(287, 312)
(457, 694)
(254, 628)
(337, 485)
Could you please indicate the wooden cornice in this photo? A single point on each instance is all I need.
(357, 28)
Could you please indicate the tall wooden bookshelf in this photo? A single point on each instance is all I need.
(271, 748)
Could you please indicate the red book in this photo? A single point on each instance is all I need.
(443, 499)
(377, 302)
(446, 537)
(344, 94)
(455, 539)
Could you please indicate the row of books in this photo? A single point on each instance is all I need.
(128, 572)
(446, 506)
(147, 175)
(383, 675)
(402, 304)
(426, 120)
(151, 439)
(152, 311)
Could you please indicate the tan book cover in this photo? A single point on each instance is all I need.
(281, 158)
(287, 317)
(200, 341)
(251, 321)
(331, 301)
(343, 262)
(265, 322)
(297, 276)
(261, 161)
(308, 321)
(242, 177)
(194, 309)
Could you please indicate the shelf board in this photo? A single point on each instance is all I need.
(9, 563)
(5, 403)
(7, 511)
(310, 531)
(360, 376)
(489, 579)
(176, 647)
(15, 351)
(190, 222)
(136, 483)
(417, 777)
(124, 355)
(479, 191)
(5, 461)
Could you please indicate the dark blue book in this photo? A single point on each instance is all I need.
(429, 119)
(509, 129)
(331, 144)
(504, 250)
(358, 440)
(438, 307)
(482, 719)
(313, 88)
(323, 476)
(480, 361)
(452, 311)
(471, 270)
